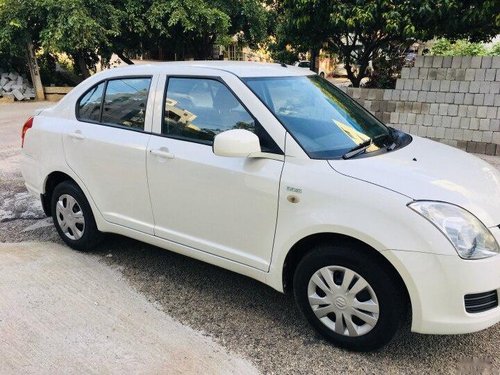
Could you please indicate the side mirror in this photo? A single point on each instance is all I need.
(236, 143)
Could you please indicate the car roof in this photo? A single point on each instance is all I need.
(238, 68)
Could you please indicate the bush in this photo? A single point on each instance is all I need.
(445, 47)
(495, 50)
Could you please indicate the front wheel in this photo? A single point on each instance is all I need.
(73, 217)
(350, 297)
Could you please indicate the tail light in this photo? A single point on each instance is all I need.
(27, 125)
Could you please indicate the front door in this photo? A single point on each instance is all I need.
(220, 205)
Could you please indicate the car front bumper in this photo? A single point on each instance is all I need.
(438, 284)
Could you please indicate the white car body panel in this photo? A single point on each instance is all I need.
(246, 214)
(112, 155)
(426, 170)
(224, 206)
(438, 284)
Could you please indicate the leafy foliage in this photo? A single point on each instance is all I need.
(21, 21)
(363, 30)
(359, 31)
(495, 50)
(445, 47)
(249, 19)
(192, 25)
(80, 28)
(90, 29)
(78, 25)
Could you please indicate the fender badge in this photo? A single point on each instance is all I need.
(294, 190)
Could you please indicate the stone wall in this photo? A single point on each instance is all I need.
(454, 100)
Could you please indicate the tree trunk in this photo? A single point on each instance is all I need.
(34, 71)
(350, 74)
(355, 79)
(124, 58)
(362, 71)
(314, 60)
(82, 66)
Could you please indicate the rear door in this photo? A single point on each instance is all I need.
(221, 205)
(106, 147)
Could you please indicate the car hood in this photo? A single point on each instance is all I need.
(428, 170)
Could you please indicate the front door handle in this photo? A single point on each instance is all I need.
(162, 153)
(77, 135)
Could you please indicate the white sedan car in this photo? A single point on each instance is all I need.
(272, 172)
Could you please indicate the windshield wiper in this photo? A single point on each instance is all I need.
(393, 139)
(392, 146)
(359, 149)
(363, 146)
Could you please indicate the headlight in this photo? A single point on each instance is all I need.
(469, 236)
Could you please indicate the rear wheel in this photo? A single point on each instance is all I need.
(349, 297)
(73, 217)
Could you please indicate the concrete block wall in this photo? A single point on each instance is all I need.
(454, 100)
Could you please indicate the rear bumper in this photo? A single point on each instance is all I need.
(437, 285)
(30, 170)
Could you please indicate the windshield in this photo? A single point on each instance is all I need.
(326, 122)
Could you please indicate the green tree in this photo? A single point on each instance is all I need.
(190, 26)
(301, 25)
(84, 29)
(249, 19)
(362, 30)
(91, 30)
(22, 23)
(134, 31)
(180, 29)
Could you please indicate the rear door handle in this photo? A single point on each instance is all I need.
(162, 153)
(77, 135)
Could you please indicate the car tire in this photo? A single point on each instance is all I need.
(73, 217)
(370, 302)
(322, 75)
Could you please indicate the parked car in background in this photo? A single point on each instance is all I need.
(272, 172)
(307, 64)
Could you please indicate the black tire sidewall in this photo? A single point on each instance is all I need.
(90, 234)
(386, 288)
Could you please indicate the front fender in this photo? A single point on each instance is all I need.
(329, 202)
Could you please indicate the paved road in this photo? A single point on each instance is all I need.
(64, 312)
(247, 317)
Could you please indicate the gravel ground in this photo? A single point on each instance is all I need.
(247, 317)
(53, 323)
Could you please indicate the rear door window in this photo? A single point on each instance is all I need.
(125, 102)
(89, 107)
